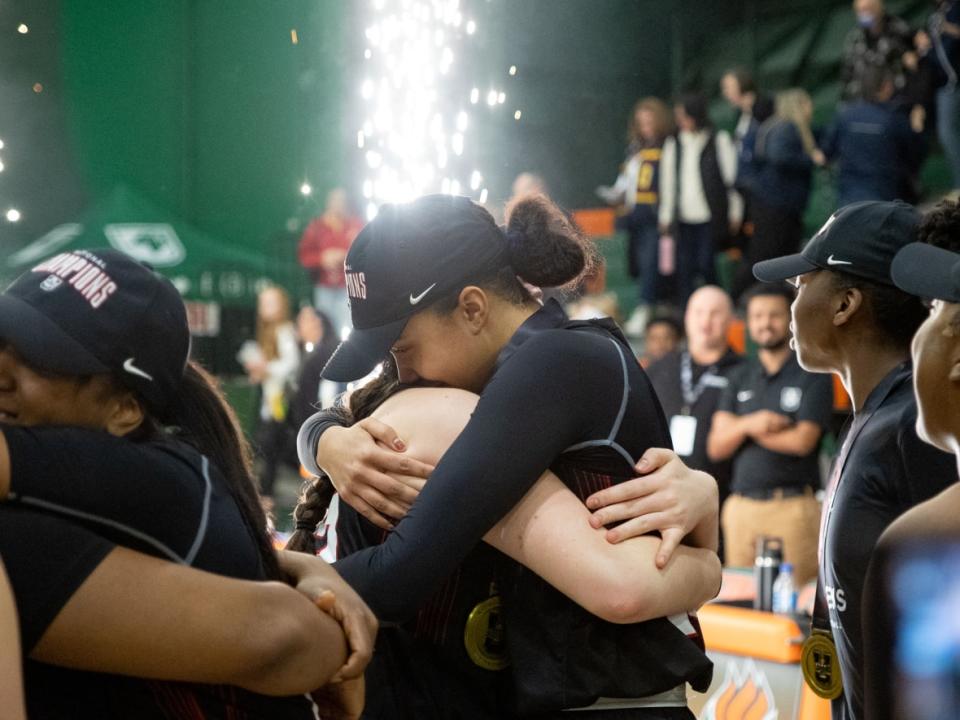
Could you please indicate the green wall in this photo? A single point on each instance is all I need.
(211, 110)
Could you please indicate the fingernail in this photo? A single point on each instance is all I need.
(398, 444)
(642, 465)
(592, 503)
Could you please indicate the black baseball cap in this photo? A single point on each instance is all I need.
(928, 272)
(859, 239)
(408, 257)
(91, 312)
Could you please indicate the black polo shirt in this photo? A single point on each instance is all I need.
(665, 376)
(888, 470)
(791, 391)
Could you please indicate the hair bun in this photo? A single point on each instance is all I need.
(545, 247)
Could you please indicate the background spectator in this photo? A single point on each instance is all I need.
(322, 248)
(783, 157)
(880, 41)
(697, 201)
(529, 183)
(661, 337)
(689, 382)
(874, 145)
(318, 340)
(637, 192)
(941, 46)
(271, 362)
(769, 420)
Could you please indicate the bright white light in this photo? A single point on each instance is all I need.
(1, 144)
(413, 134)
(305, 189)
(502, 98)
(13, 215)
(513, 69)
(1, 165)
(483, 196)
(308, 347)
(475, 179)
(492, 98)
(455, 187)
(22, 29)
(371, 214)
(517, 115)
(345, 332)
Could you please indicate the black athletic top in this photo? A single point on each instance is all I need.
(161, 498)
(888, 470)
(566, 396)
(791, 391)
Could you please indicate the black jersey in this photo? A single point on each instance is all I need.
(422, 669)
(888, 470)
(564, 395)
(162, 498)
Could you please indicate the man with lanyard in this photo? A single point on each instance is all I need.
(770, 420)
(848, 318)
(689, 382)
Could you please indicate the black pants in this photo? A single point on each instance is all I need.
(776, 232)
(276, 443)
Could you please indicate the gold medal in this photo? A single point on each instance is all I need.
(821, 668)
(483, 636)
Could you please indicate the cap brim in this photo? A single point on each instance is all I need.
(42, 343)
(928, 272)
(782, 268)
(359, 354)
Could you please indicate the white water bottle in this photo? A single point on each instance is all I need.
(784, 591)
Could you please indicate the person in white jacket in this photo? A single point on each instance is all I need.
(698, 205)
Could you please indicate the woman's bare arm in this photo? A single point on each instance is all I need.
(140, 616)
(549, 530)
(11, 675)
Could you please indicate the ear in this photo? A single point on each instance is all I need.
(846, 303)
(473, 308)
(126, 414)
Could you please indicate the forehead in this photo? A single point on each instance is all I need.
(767, 303)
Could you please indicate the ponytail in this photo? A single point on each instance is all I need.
(207, 422)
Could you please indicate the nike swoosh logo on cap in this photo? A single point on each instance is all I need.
(414, 299)
(134, 370)
(832, 261)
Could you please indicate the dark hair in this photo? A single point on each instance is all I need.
(201, 417)
(694, 104)
(940, 227)
(315, 495)
(896, 315)
(744, 78)
(781, 290)
(872, 81)
(763, 108)
(667, 320)
(545, 248)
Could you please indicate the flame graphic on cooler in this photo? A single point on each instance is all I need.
(744, 695)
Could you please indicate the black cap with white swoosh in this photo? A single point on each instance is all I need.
(408, 257)
(859, 239)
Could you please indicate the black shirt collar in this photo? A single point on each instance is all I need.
(548, 317)
(890, 381)
(787, 366)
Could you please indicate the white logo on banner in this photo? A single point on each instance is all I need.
(153, 243)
